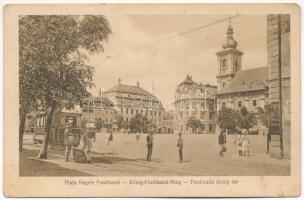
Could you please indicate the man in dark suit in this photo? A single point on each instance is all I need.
(222, 142)
(150, 145)
(180, 145)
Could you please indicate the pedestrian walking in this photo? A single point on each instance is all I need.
(86, 146)
(180, 146)
(222, 142)
(150, 141)
(69, 141)
(110, 136)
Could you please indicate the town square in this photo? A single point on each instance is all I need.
(147, 96)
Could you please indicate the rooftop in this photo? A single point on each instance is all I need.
(247, 80)
(130, 89)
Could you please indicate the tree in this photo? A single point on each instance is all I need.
(140, 123)
(26, 104)
(227, 118)
(53, 48)
(246, 119)
(194, 123)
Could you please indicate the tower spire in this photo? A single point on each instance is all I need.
(230, 42)
(229, 59)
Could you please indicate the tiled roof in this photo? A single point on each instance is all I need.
(130, 89)
(247, 80)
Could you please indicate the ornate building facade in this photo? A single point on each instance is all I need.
(130, 100)
(99, 108)
(196, 101)
(237, 87)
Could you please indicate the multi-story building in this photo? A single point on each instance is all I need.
(130, 100)
(237, 87)
(195, 100)
(99, 108)
(278, 42)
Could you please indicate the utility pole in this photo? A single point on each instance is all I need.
(280, 85)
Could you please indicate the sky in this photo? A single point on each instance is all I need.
(166, 64)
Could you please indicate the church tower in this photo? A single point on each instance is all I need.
(229, 60)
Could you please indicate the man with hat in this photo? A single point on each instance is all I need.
(69, 140)
(180, 145)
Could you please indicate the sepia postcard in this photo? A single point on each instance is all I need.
(152, 100)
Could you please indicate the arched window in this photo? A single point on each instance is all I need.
(223, 65)
(236, 65)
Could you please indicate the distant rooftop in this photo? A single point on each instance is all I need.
(130, 89)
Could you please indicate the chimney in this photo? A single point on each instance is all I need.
(137, 84)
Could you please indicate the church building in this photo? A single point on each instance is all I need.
(237, 87)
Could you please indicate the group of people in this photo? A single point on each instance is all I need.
(241, 140)
(70, 141)
(243, 143)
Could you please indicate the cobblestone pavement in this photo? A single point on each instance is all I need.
(125, 157)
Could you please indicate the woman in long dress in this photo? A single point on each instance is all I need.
(245, 144)
(238, 140)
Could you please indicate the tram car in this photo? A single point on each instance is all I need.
(60, 119)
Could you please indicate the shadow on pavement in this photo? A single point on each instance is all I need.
(32, 167)
(109, 159)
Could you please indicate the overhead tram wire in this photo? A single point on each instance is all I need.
(171, 37)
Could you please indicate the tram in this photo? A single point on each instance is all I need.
(60, 119)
